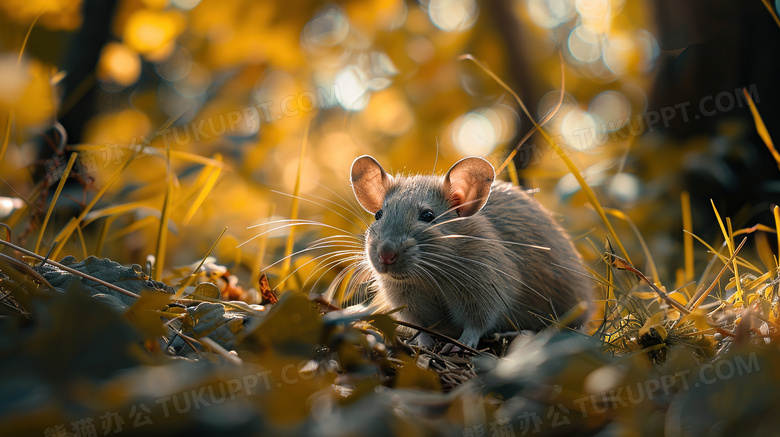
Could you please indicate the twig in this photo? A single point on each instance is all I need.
(622, 264)
(24, 268)
(70, 270)
(429, 332)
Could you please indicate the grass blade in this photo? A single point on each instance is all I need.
(68, 230)
(211, 180)
(162, 232)
(685, 199)
(730, 242)
(776, 212)
(54, 199)
(760, 127)
(288, 249)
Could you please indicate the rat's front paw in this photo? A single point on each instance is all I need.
(470, 338)
(424, 340)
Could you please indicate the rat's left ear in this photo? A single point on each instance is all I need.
(467, 185)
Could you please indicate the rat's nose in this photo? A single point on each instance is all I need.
(387, 256)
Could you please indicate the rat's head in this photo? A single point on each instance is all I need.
(413, 213)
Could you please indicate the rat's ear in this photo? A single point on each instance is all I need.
(467, 185)
(369, 182)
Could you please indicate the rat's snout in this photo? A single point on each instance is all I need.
(387, 254)
(391, 257)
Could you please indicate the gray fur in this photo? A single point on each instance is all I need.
(464, 278)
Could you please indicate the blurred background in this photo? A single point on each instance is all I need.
(652, 106)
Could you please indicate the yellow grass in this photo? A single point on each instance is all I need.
(776, 212)
(760, 127)
(162, 232)
(54, 199)
(685, 199)
(288, 249)
(69, 228)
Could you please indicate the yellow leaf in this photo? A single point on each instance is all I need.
(699, 319)
(679, 297)
(144, 313)
(652, 322)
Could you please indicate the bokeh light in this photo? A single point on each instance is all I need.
(120, 64)
(582, 130)
(453, 15)
(479, 132)
(473, 134)
(551, 13)
(624, 187)
(326, 29)
(613, 108)
(648, 50)
(14, 76)
(619, 53)
(177, 66)
(153, 33)
(584, 45)
(595, 14)
(353, 86)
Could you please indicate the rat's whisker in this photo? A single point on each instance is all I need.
(445, 268)
(440, 267)
(482, 286)
(326, 264)
(322, 205)
(302, 223)
(362, 274)
(497, 270)
(447, 276)
(336, 243)
(350, 207)
(339, 280)
(514, 243)
(456, 219)
(297, 222)
(307, 249)
(453, 208)
(273, 222)
(326, 256)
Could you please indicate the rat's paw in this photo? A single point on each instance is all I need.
(470, 337)
(424, 340)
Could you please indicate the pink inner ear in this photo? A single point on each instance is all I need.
(455, 199)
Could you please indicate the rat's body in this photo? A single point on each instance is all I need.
(462, 266)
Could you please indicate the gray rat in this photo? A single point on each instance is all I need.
(464, 254)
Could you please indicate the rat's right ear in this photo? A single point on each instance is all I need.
(468, 183)
(369, 183)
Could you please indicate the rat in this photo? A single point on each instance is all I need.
(465, 255)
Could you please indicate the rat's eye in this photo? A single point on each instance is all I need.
(427, 215)
(378, 214)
